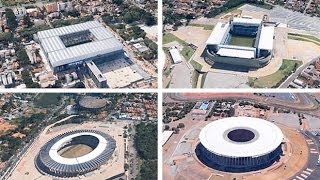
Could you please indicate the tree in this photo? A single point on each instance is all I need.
(117, 2)
(28, 80)
(5, 37)
(79, 85)
(27, 21)
(11, 19)
(150, 20)
(22, 56)
(180, 125)
(166, 127)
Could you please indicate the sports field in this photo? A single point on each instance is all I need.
(75, 151)
(242, 41)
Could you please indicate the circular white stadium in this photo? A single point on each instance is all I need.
(239, 144)
(51, 160)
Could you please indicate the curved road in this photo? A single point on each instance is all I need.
(304, 102)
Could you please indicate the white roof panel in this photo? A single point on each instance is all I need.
(218, 33)
(176, 57)
(266, 38)
(59, 55)
(267, 137)
(53, 152)
(247, 21)
(239, 53)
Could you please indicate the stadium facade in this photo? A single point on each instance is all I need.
(221, 49)
(49, 162)
(239, 144)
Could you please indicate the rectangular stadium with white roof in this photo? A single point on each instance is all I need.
(242, 42)
(72, 45)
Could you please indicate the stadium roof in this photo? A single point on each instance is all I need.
(266, 38)
(247, 21)
(53, 153)
(239, 53)
(104, 42)
(267, 137)
(218, 33)
(175, 55)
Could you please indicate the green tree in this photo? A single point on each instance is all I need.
(5, 36)
(11, 19)
(22, 56)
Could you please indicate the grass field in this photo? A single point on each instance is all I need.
(303, 37)
(196, 65)
(275, 79)
(47, 99)
(195, 77)
(75, 151)
(242, 41)
(186, 51)
(205, 26)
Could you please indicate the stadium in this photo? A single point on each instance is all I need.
(54, 159)
(91, 103)
(239, 144)
(69, 46)
(242, 42)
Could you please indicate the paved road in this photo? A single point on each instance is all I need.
(311, 171)
(305, 102)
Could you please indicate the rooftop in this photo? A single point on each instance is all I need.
(175, 55)
(266, 38)
(239, 53)
(266, 137)
(247, 21)
(53, 42)
(218, 33)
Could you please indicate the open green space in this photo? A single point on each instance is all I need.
(275, 79)
(48, 99)
(196, 65)
(186, 51)
(195, 77)
(205, 26)
(304, 37)
(242, 41)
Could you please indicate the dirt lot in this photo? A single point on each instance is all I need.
(301, 50)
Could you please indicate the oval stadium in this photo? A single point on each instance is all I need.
(239, 144)
(75, 153)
